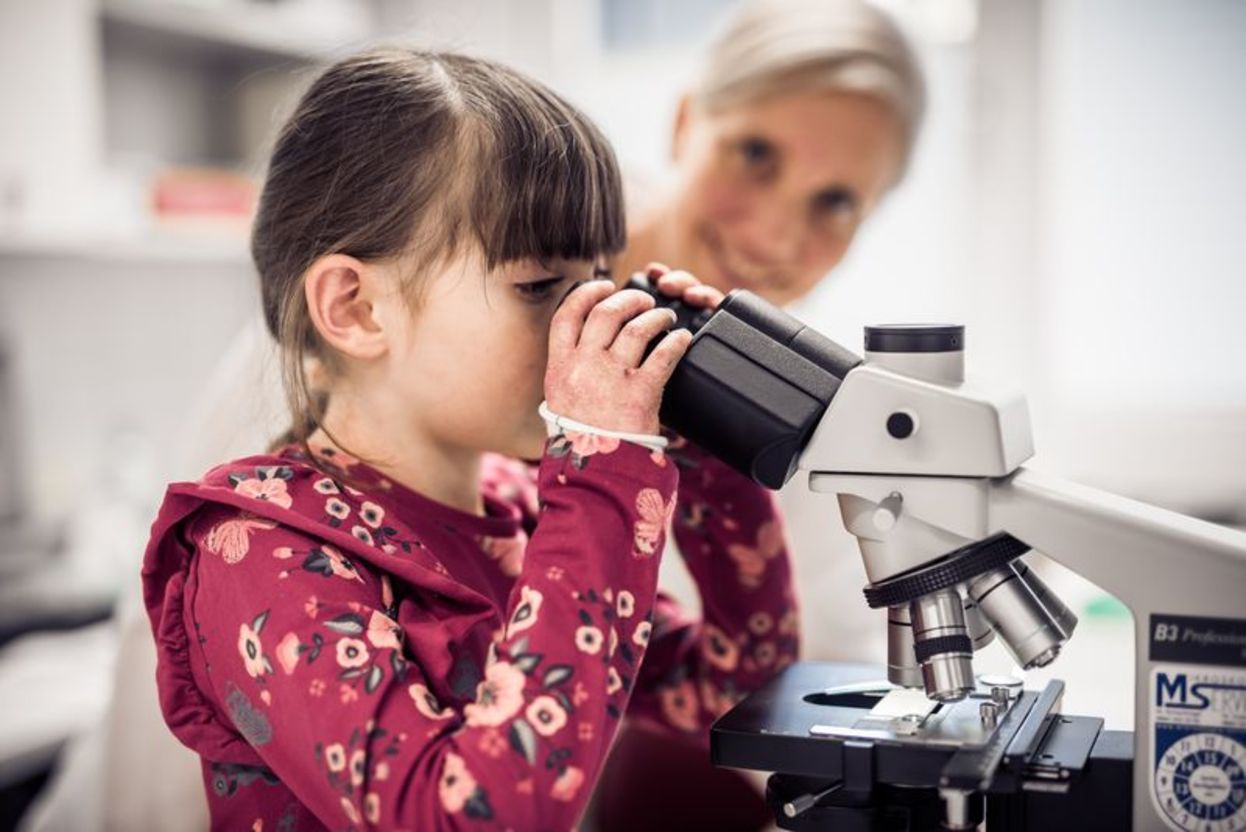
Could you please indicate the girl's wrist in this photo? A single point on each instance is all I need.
(557, 424)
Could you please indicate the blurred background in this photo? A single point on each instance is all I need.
(1078, 200)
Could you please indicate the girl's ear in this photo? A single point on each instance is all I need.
(683, 114)
(342, 296)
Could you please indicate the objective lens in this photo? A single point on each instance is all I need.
(902, 666)
(942, 645)
(980, 632)
(1008, 602)
(1064, 617)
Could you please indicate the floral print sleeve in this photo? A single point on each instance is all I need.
(331, 670)
(730, 534)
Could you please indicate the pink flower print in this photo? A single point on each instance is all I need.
(283, 553)
(325, 486)
(335, 757)
(626, 604)
(716, 702)
(358, 763)
(679, 705)
(334, 456)
(654, 515)
(613, 681)
(492, 743)
(252, 651)
(361, 534)
(339, 565)
(426, 703)
(659, 458)
(525, 614)
(336, 508)
(231, 539)
(457, 785)
(765, 653)
(499, 696)
(751, 560)
(587, 444)
(719, 650)
(640, 637)
(270, 491)
(372, 514)
(352, 814)
(588, 639)
(351, 652)
(507, 551)
(383, 631)
(789, 624)
(546, 715)
(567, 784)
(760, 623)
(288, 652)
(579, 694)
(372, 808)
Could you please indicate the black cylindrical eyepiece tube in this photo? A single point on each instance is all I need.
(753, 383)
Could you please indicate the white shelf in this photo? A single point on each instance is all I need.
(154, 247)
(277, 32)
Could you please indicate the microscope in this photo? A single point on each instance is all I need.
(928, 470)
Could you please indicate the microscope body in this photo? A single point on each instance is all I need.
(957, 478)
(928, 469)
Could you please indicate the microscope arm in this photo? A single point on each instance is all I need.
(1152, 559)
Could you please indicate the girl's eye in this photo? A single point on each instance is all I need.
(835, 202)
(538, 290)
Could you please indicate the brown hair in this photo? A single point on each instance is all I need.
(417, 154)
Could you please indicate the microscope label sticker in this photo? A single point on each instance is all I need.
(1198, 722)
(1193, 639)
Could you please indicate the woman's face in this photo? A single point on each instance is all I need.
(770, 194)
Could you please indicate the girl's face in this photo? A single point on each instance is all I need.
(469, 359)
(769, 195)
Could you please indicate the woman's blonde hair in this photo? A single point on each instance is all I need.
(769, 48)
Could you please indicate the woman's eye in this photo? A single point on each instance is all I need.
(756, 153)
(537, 290)
(835, 202)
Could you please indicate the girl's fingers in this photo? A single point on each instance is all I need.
(608, 317)
(704, 296)
(566, 326)
(661, 362)
(655, 270)
(629, 346)
(676, 283)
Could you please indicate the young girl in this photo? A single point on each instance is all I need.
(390, 622)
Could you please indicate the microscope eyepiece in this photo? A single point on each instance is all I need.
(753, 384)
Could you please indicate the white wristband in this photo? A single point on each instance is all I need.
(555, 425)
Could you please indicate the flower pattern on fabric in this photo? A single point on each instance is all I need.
(231, 538)
(507, 551)
(526, 612)
(266, 484)
(386, 689)
(499, 696)
(655, 514)
(751, 560)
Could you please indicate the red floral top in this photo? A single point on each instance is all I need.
(344, 653)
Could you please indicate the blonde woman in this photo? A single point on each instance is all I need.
(804, 116)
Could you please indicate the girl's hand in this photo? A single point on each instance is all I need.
(597, 371)
(682, 285)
